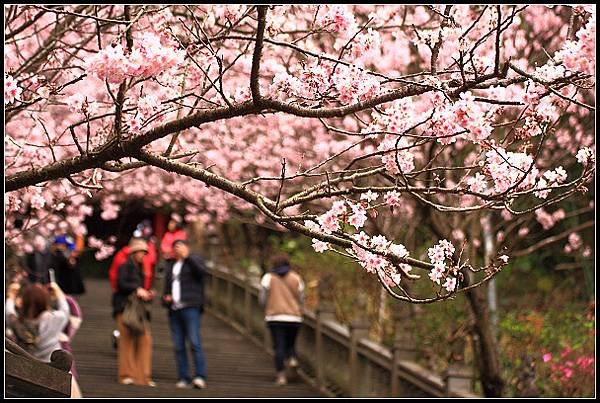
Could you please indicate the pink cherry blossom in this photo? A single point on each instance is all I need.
(357, 220)
(369, 196)
(329, 222)
(319, 246)
(437, 273)
(392, 198)
(12, 92)
(450, 284)
(585, 155)
(338, 207)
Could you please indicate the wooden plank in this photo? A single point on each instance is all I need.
(236, 367)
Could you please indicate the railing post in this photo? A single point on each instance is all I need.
(458, 376)
(229, 307)
(247, 303)
(325, 311)
(359, 329)
(266, 334)
(404, 343)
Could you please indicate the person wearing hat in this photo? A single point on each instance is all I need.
(184, 297)
(134, 351)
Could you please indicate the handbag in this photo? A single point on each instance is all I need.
(134, 315)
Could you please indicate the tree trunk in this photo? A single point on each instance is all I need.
(489, 358)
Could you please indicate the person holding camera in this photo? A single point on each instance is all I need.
(184, 297)
(29, 310)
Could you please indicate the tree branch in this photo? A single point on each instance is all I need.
(255, 73)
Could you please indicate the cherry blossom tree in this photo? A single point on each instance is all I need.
(326, 120)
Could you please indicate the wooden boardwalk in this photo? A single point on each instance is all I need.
(236, 367)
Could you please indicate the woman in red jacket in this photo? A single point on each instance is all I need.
(174, 232)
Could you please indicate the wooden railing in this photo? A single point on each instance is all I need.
(27, 376)
(337, 359)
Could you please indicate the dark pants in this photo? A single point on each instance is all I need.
(283, 335)
(185, 323)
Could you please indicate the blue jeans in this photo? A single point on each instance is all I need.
(185, 323)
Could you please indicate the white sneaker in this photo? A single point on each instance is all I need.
(281, 379)
(199, 383)
(293, 363)
(181, 384)
(152, 384)
(127, 381)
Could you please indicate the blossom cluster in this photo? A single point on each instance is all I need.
(477, 183)
(586, 156)
(580, 55)
(508, 169)
(376, 263)
(110, 210)
(550, 178)
(473, 117)
(231, 13)
(397, 155)
(148, 58)
(465, 118)
(336, 18)
(351, 84)
(438, 255)
(353, 213)
(365, 45)
(104, 250)
(548, 220)
(575, 243)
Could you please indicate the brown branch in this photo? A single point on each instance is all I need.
(553, 239)
(255, 72)
(111, 150)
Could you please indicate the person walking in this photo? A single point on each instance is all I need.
(184, 297)
(134, 350)
(282, 295)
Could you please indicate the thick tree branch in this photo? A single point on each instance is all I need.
(255, 73)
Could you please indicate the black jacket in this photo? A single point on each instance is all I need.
(191, 278)
(129, 278)
(68, 277)
(37, 264)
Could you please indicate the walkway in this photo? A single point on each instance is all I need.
(236, 366)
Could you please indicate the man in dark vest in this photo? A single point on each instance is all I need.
(184, 296)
